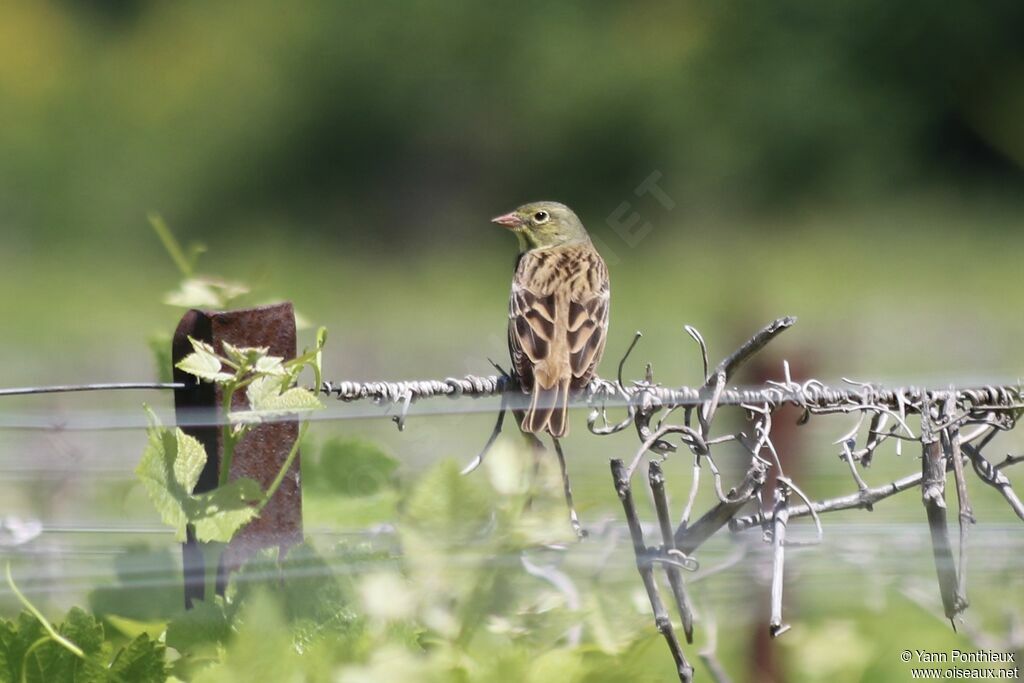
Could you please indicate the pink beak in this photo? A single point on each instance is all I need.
(509, 220)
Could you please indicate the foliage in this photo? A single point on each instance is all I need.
(32, 650)
(443, 599)
(173, 460)
(351, 467)
(169, 470)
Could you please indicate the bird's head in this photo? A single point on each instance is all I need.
(544, 224)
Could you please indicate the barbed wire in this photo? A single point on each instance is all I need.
(812, 395)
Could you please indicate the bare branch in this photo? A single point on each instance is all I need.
(675, 578)
(933, 475)
(708, 653)
(994, 477)
(625, 356)
(690, 538)
(643, 565)
(779, 520)
(951, 442)
(861, 500)
(737, 358)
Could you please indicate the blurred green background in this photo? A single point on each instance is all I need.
(857, 164)
(399, 125)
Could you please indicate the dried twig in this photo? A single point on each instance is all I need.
(994, 477)
(933, 495)
(951, 442)
(780, 518)
(708, 653)
(728, 367)
(690, 538)
(643, 565)
(675, 577)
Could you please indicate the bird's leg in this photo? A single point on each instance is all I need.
(538, 450)
(475, 462)
(567, 488)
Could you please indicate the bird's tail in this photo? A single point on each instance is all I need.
(548, 409)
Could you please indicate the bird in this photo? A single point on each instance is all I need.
(558, 311)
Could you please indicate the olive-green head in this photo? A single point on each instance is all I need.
(540, 225)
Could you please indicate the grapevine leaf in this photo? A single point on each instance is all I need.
(205, 292)
(262, 390)
(200, 629)
(83, 630)
(189, 461)
(51, 661)
(199, 346)
(352, 467)
(261, 648)
(448, 504)
(219, 514)
(269, 365)
(169, 470)
(141, 661)
(204, 363)
(157, 471)
(267, 400)
(244, 355)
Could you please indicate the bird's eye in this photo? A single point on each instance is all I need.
(541, 217)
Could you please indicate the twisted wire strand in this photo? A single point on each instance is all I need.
(811, 395)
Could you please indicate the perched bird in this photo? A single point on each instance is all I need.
(558, 311)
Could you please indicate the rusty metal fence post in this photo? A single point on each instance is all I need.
(259, 455)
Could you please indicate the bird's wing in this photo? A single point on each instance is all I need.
(531, 326)
(587, 324)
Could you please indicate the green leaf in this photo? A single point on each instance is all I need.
(312, 590)
(199, 346)
(204, 362)
(261, 649)
(189, 460)
(448, 504)
(83, 630)
(141, 602)
(51, 661)
(267, 400)
(28, 654)
(167, 481)
(205, 366)
(219, 514)
(245, 355)
(14, 642)
(557, 665)
(269, 365)
(262, 390)
(205, 292)
(351, 467)
(134, 628)
(141, 661)
(200, 629)
(169, 470)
